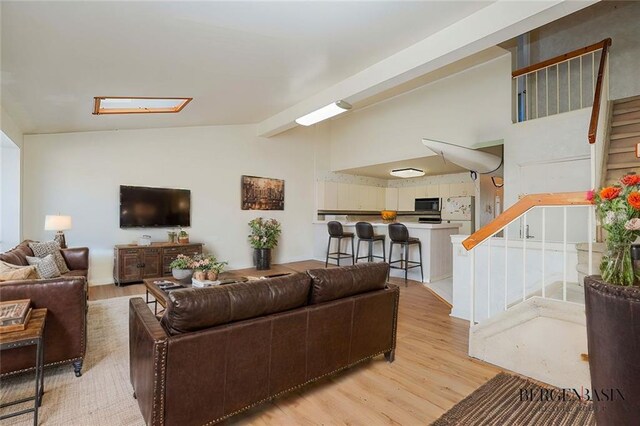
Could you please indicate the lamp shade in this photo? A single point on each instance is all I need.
(57, 223)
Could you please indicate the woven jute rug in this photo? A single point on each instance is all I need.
(511, 400)
(102, 395)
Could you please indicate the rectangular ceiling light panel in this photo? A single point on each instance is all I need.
(124, 105)
(323, 113)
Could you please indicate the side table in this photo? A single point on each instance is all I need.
(31, 335)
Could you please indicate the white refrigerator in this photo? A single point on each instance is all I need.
(460, 210)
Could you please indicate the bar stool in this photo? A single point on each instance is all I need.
(398, 234)
(335, 231)
(365, 233)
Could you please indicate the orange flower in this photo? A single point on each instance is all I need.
(610, 192)
(630, 180)
(634, 200)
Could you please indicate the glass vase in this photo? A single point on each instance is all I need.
(616, 267)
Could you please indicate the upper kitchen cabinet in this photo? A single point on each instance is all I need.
(327, 195)
(407, 198)
(391, 199)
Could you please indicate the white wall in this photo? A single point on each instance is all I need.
(10, 128)
(466, 109)
(615, 19)
(9, 193)
(79, 174)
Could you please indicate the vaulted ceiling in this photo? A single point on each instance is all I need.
(242, 62)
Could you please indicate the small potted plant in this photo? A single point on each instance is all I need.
(612, 305)
(183, 237)
(182, 268)
(264, 237)
(216, 269)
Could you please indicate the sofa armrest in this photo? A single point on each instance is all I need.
(65, 330)
(77, 258)
(147, 360)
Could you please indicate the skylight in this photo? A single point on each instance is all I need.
(123, 105)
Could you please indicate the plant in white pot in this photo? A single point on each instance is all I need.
(263, 238)
(182, 268)
(612, 305)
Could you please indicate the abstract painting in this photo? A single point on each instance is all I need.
(260, 193)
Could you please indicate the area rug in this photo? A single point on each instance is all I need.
(102, 395)
(511, 400)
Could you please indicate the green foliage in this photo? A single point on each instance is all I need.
(264, 233)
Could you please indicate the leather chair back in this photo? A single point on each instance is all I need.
(398, 233)
(335, 229)
(364, 230)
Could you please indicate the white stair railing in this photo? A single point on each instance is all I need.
(529, 262)
(565, 83)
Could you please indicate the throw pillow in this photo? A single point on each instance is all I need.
(50, 247)
(46, 266)
(10, 272)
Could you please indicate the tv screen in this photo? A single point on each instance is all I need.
(142, 207)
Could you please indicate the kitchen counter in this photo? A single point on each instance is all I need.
(437, 256)
(409, 225)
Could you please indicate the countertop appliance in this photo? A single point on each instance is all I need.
(460, 210)
(427, 204)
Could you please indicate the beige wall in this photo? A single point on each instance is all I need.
(467, 108)
(615, 19)
(79, 174)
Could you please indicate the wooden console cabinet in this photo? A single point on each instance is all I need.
(133, 263)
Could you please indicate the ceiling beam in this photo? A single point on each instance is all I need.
(496, 23)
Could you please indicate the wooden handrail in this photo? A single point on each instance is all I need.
(561, 58)
(522, 206)
(597, 94)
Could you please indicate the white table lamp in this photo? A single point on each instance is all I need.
(58, 223)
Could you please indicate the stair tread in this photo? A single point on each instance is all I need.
(618, 111)
(624, 135)
(625, 100)
(633, 165)
(625, 122)
(622, 150)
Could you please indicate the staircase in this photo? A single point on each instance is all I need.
(624, 136)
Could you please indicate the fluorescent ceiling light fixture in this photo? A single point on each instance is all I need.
(408, 172)
(323, 113)
(124, 105)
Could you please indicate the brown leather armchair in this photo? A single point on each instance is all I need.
(221, 350)
(65, 298)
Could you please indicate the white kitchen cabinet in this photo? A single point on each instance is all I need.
(320, 195)
(432, 191)
(343, 196)
(421, 191)
(407, 198)
(330, 196)
(380, 198)
(391, 199)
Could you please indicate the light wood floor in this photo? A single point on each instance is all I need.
(431, 373)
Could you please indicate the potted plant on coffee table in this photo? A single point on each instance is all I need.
(182, 268)
(264, 237)
(612, 304)
(207, 267)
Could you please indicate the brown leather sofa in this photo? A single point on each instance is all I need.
(65, 298)
(218, 351)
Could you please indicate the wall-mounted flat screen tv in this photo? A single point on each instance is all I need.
(143, 207)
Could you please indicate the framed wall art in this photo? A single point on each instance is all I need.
(259, 193)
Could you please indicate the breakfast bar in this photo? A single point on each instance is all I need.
(437, 259)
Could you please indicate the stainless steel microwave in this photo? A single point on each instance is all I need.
(424, 204)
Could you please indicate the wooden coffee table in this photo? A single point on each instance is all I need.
(160, 295)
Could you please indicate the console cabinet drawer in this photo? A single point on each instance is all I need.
(133, 264)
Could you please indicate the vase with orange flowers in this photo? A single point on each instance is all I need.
(618, 208)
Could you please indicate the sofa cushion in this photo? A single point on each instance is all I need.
(46, 266)
(53, 248)
(17, 255)
(336, 283)
(198, 308)
(9, 272)
(77, 273)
